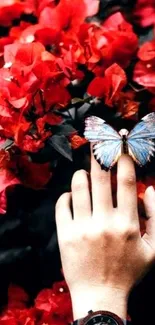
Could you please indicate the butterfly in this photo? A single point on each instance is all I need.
(110, 144)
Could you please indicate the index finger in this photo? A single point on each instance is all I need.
(126, 186)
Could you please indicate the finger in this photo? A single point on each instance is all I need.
(126, 187)
(101, 188)
(81, 195)
(149, 203)
(63, 213)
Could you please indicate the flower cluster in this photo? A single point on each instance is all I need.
(41, 65)
(51, 307)
(60, 62)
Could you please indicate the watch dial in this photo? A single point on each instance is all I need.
(102, 320)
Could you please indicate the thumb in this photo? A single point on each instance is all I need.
(149, 203)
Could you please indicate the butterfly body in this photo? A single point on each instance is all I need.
(108, 144)
(124, 133)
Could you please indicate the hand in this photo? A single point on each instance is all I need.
(102, 252)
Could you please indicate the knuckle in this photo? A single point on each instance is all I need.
(106, 233)
(79, 180)
(127, 180)
(128, 231)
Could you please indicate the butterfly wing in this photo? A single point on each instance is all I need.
(97, 130)
(107, 152)
(107, 147)
(140, 144)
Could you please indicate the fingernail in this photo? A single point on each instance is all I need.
(151, 191)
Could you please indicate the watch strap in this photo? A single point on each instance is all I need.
(78, 321)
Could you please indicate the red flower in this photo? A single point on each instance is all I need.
(9, 10)
(127, 107)
(18, 317)
(77, 141)
(4, 158)
(147, 51)
(121, 40)
(45, 301)
(144, 12)
(3, 42)
(68, 15)
(36, 6)
(55, 306)
(112, 42)
(109, 86)
(8, 318)
(7, 180)
(25, 56)
(144, 72)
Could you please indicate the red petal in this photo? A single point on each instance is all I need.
(45, 301)
(77, 141)
(10, 10)
(28, 53)
(117, 80)
(10, 52)
(92, 7)
(7, 179)
(147, 51)
(144, 74)
(97, 87)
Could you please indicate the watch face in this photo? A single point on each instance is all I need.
(102, 320)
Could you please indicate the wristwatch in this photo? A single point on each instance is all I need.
(100, 317)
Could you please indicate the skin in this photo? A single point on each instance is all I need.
(102, 252)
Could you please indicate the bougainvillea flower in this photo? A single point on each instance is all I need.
(22, 57)
(126, 105)
(23, 33)
(120, 36)
(108, 44)
(4, 158)
(147, 52)
(109, 86)
(144, 12)
(16, 92)
(18, 317)
(68, 15)
(36, 6)
(3, 42)
(7, 179)
(56, 95)
(9, 10)
(144, 74)
(45, 301)
(76, 141)
(55, 302)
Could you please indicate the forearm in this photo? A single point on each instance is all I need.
(113, 300)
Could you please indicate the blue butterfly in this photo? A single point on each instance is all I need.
(110, 144)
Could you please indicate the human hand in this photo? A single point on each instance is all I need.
(102, 251)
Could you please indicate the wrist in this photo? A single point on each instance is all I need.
(110, 299)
